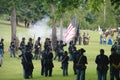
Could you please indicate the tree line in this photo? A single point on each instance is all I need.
(89, 13)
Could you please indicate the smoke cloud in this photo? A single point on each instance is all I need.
(41, 29)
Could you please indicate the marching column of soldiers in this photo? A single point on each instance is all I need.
(77, 56)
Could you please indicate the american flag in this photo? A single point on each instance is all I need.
(70, 32)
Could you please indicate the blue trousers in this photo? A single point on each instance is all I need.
(12, 52)
(65, 69)
(1, 52)
(102, 75)
(80, 74)
(71, 57)
(114, 73)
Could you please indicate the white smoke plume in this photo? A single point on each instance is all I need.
(41, 29)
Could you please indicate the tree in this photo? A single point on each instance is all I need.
(115, 3)
(21, 9)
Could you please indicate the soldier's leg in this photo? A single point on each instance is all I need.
(78, 75)
(74, 68)
(0, 60)
(14, 53)
(99, 75)
(111, 73)
(46, 71)
(104, 75)
(42, 68)
(116, 72)
(50, 72)
(82, 73)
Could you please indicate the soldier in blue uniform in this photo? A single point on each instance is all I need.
(81, 65)
(102, 65)
(1, 51)
(114, 59)
(61, 49)
(75, 53)
(30, 45)
(48, 60)
(56, 50)
(22, 45)
(12, 48)
(37, 49)
(46, 43)
(64, 61)
(27, 63)
(70, 49)
(1, 47)
(44, 53)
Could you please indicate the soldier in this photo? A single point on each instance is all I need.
(37, 49)
(102, 65)
(27, 63)
(61, 49)
(70, 49)
(30, 45)
(87, 39)
(75, 53)
(81, 64)
(118, 37)
(22, 45)
(12, 49)
(64, 61)
(114, 46)
(84, 37)
(46, 43)
(56, 50)
(48, 62)
(1, 51)
(114, 59)
(118, 48)
(80, 39)
(1, 47)
(44, 53)
(25, 21)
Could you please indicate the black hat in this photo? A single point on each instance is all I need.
(30, 39)
(23, 38)
(82, 50)
(61, 41)
(2, 39)
(39, 38)
(113, 49)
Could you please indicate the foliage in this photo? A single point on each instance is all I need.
(33, 11)
(88, 12)
(116, 3)
(117, 16)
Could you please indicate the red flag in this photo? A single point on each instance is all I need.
(70, 32)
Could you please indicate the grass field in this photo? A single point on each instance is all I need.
(12, 68)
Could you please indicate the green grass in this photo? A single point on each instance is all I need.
(12, 68)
